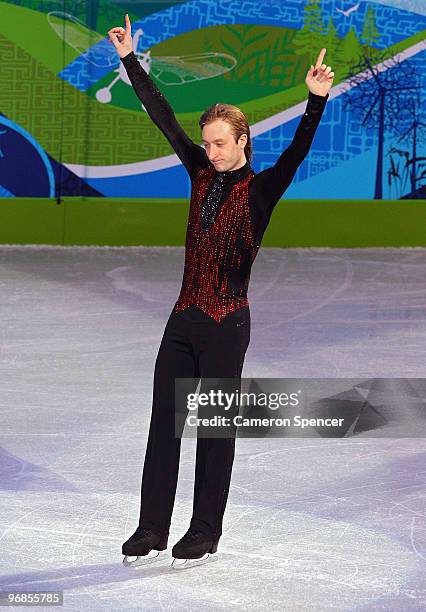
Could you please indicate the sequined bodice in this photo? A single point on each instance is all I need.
(219, 188)
(218, 259)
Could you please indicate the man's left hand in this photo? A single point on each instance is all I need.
(319, 79)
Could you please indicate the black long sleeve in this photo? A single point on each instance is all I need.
(159, 110)
(270, 184)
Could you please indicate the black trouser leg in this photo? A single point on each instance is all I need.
(193, 344)
(220, 352)
(159, 480)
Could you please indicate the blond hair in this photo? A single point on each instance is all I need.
(236, 119)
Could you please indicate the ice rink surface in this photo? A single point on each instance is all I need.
(311, 524)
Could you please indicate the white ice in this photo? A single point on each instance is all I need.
(311, 524)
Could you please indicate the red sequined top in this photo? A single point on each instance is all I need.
(229, 211)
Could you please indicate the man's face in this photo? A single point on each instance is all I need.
(221, 148)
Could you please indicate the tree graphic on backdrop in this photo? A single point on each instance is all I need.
(380, 90)
(316, 33)
(332, 43)
(409, 168)
(370, 34)
(311, 34)
(350, 47)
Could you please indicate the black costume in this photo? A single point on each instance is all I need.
(208, 331)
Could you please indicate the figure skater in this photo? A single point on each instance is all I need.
(208, 330)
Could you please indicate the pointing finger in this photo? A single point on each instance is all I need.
(320, 57)
(128, 25)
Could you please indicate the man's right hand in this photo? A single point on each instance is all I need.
(122, 38)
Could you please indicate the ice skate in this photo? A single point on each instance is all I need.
(146, 546)
(195, 548)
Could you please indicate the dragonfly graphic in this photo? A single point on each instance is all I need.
(172, 69)
(81, 38)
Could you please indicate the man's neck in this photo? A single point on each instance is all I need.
(239, 165)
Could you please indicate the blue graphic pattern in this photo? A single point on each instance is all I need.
(394, 25)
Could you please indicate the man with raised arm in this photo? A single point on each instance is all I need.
(208, 330)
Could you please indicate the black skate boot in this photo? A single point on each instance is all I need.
(195, 548)
(145, 545)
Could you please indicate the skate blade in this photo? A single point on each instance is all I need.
(151, 557)
(179, 564)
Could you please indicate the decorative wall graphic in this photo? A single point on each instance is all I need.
(172, 70)
(67, 89)
(74, 33)
(19, 150)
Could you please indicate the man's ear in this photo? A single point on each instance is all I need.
(243, 139)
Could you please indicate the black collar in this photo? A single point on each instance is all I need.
(232, 176)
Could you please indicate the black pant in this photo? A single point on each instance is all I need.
(194, 345)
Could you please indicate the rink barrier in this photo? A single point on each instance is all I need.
(162, 222)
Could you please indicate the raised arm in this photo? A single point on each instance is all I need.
(273, 182)
(159, 110)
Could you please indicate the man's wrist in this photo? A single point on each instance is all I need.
(318, 96)
(129, 56)
(317, 99)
